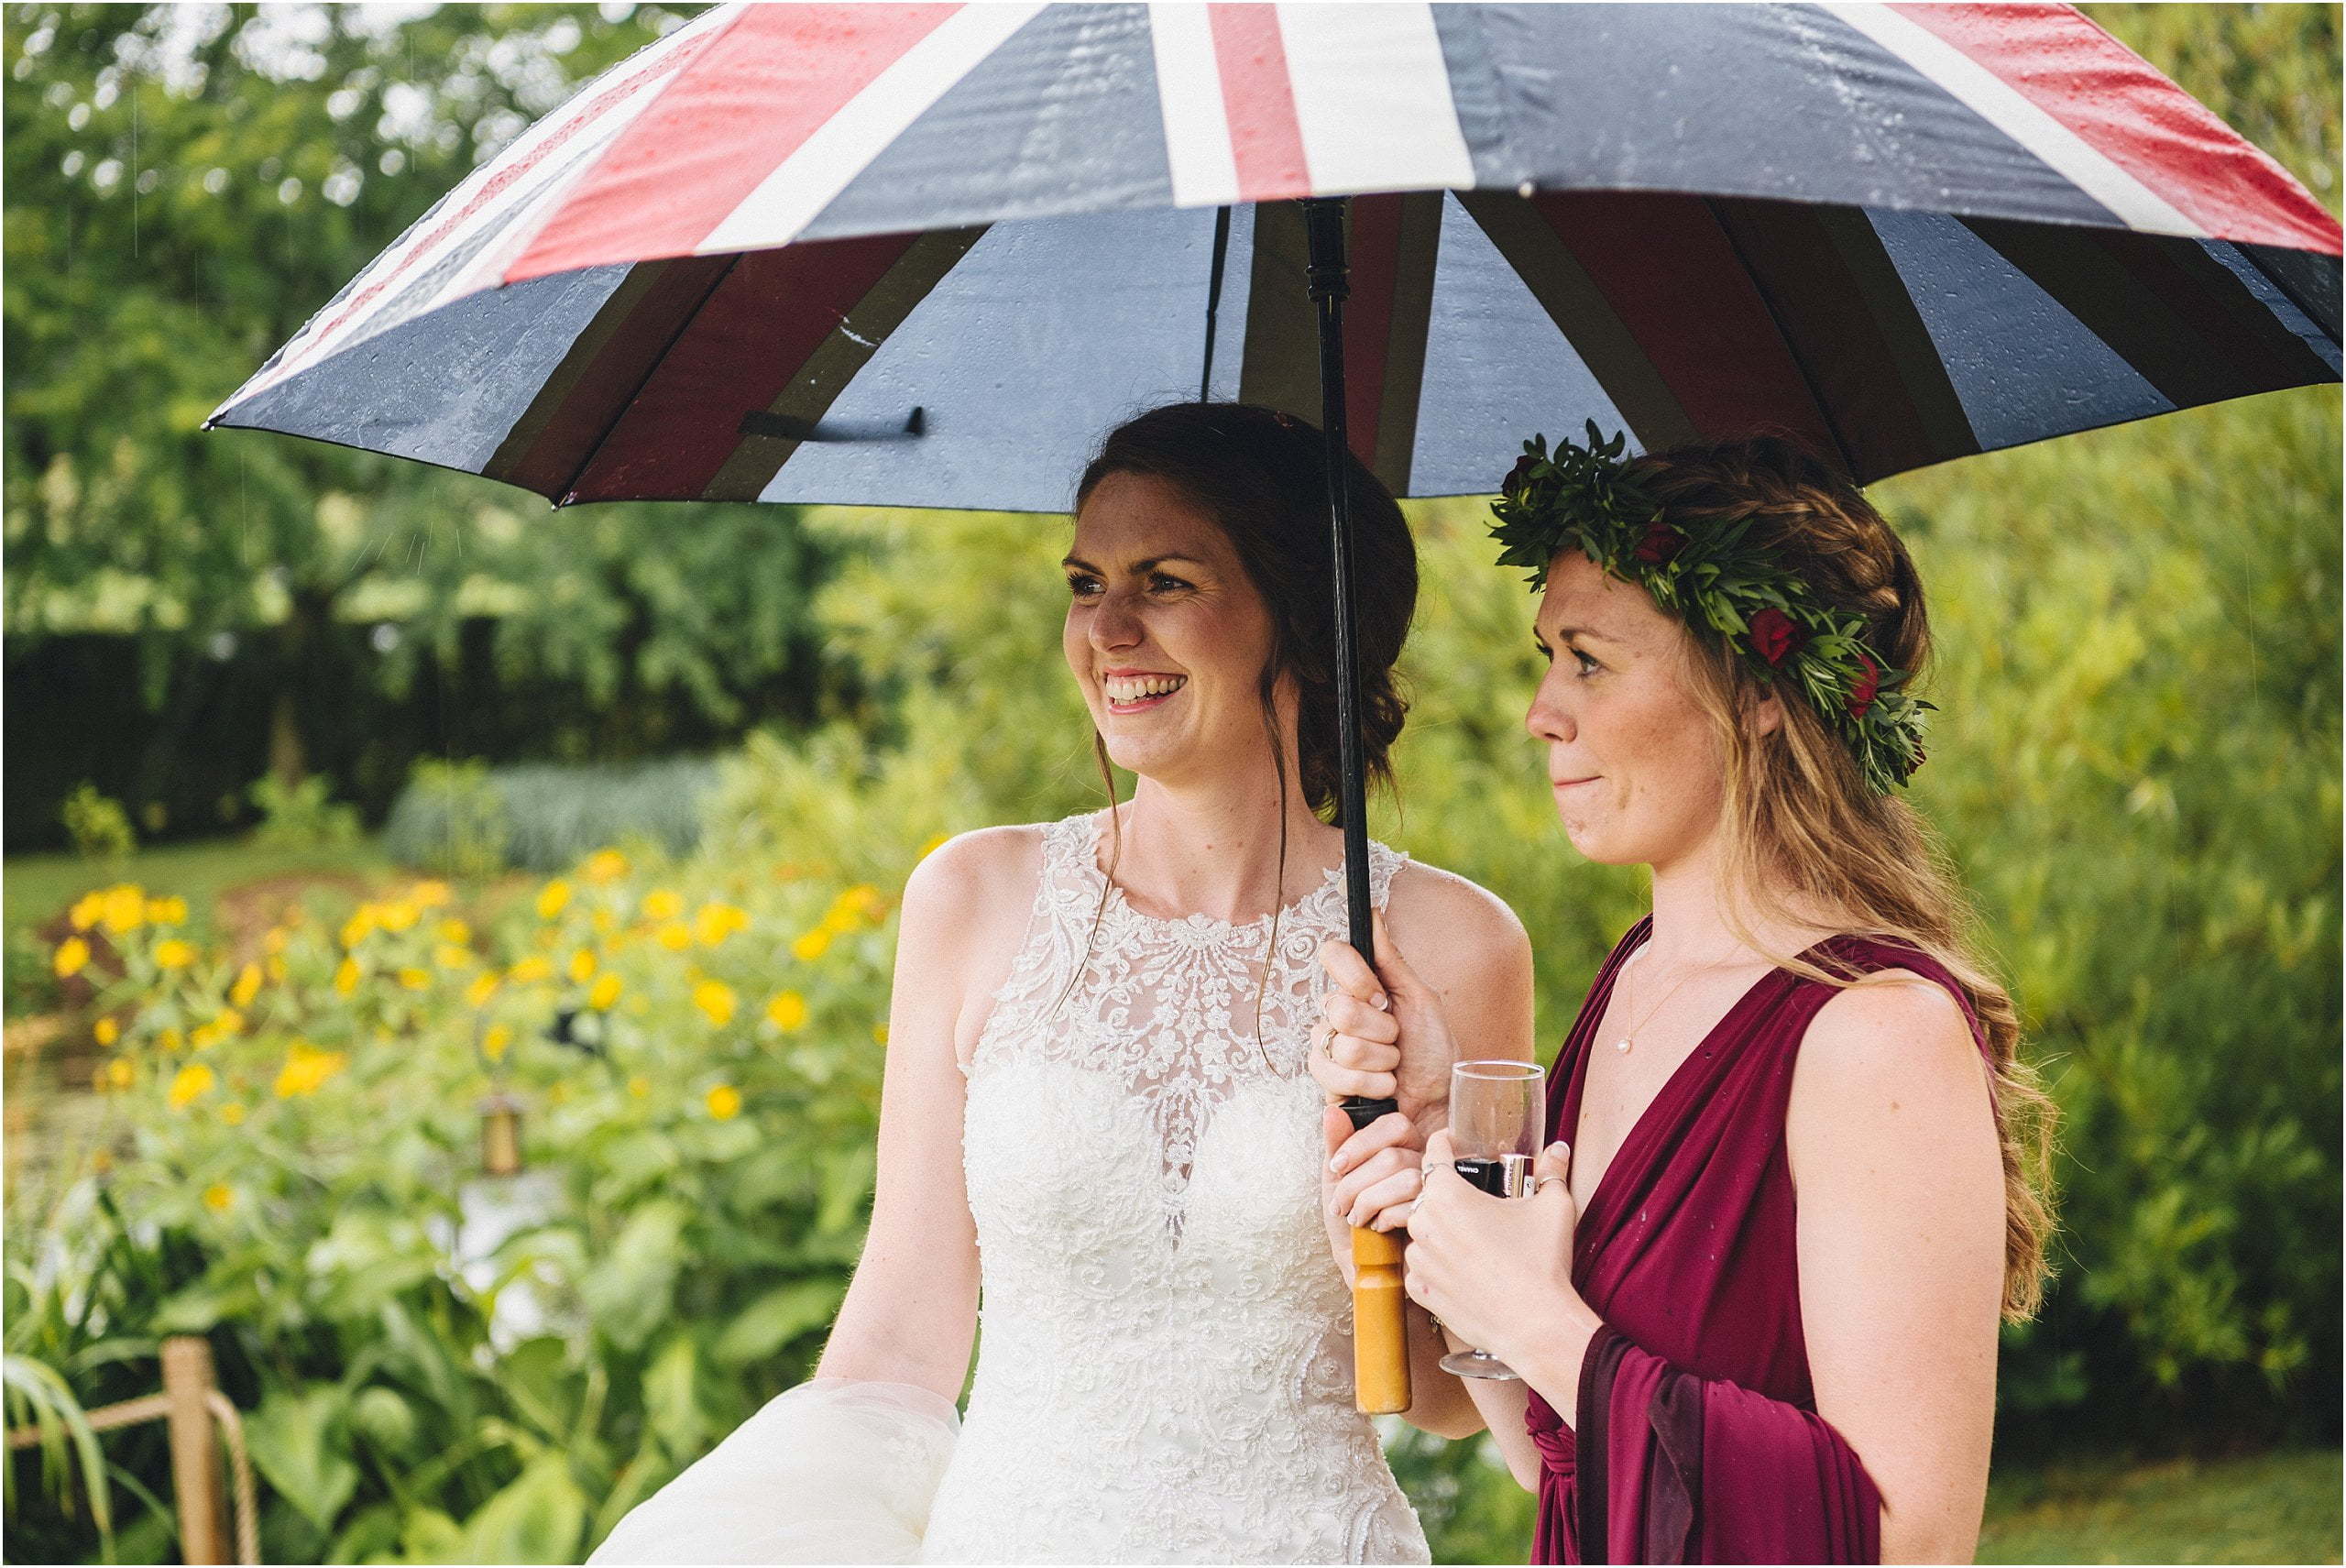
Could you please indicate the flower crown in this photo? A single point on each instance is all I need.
(1582, 498)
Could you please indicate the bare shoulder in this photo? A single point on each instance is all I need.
(1451, 929)
(1899, 1044)
(970, 869)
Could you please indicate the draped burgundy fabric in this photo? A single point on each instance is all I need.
(1697, 1435)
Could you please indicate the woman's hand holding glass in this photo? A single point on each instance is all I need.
(1498, 1271)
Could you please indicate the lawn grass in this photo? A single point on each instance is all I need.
(2273, 1507)
(35, 887)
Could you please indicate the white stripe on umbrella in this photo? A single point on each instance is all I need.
(827, 162)
(2011, 112)
(493, 195)
(1372, 98)
(1189, 93)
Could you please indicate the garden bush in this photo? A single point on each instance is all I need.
(464, 818)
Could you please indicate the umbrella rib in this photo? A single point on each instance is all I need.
(684, 324)
(1800, 361)
(1214, 300)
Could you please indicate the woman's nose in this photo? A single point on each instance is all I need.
(1114, 623)
(1549, 717)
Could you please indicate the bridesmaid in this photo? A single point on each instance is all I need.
(1795, 1174)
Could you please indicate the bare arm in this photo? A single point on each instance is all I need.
(910, 1314)
(1893, 1150)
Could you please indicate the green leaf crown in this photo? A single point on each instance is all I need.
(1709, 576)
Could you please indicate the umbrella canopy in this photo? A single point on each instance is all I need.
(924, 254)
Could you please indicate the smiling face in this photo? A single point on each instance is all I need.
(1165, 634)
(1634, 760)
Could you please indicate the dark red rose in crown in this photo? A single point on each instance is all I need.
(1660, 544)
(1861, 695)
(1521, 474)
(1776, 636)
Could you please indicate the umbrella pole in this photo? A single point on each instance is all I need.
(1380, 1342)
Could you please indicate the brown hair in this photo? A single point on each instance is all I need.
(1801, 824)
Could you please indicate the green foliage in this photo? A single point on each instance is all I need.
(100, 827)
(301, 818)
(438, 1366)
(466, 819)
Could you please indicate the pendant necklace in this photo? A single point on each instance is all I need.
(1623, 1044)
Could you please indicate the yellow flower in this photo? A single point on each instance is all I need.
(192, 1083)
(276, 967)
(493, 1043)
(166, 911)
(675, 935)
(360, 925)
(604, 922)
(879, 1033)
(122, 908)
(118, 1073)
(398, 916)
(447, 955)
(105, 1031)
(526, 970)
(86, 910)
(306, 1070)
(248, 986)
(715, 998)
(201, 1036)
(603, 865)
(936, 843)
(724, 1102)
(415, 979)
(483, 987)
(276, 938)
(559, 1094)
(639, 1086)
(552, 898)
(72, 956)
(661, 904)
(219, 1198)
(605, 993)
(788, 1010)
(229, 1022)
(172, 953)
(169, 1040)
(811, 946)
(346, 978)
(233, 1112)
(715, 921)
(858, 904)
(582, 964)
(455, 932)
(430, 893)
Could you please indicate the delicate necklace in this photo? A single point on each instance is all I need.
(1623, 1044)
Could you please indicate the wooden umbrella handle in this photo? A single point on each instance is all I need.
(1380, 1336)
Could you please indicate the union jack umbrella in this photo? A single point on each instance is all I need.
(924, 255)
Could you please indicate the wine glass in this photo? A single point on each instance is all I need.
(1497, 1112)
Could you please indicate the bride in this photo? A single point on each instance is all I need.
(1096, 1107)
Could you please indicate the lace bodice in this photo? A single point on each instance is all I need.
(1165, 1361)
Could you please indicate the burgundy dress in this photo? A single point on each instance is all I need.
(1697, 1434)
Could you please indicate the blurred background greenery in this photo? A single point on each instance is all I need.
(344, 795)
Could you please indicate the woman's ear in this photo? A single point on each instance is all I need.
(1764, 715)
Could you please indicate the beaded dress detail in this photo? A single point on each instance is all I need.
(1165, 1361)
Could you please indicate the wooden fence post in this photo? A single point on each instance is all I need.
(195, 1465)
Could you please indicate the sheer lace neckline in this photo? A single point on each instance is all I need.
(1086, 860)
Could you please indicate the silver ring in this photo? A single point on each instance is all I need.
(1541, 1185)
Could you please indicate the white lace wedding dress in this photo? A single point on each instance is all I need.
(1165, 1361)
(1165, 1352)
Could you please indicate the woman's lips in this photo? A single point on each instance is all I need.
(1575, 784)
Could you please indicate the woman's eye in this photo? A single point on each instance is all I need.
(1159, 582)
(1545, 651)
(1082, 587)
(1589, 666)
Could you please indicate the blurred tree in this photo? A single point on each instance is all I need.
(185, 184)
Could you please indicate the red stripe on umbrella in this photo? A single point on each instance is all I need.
(1373, 249)
(1265, 139)
(781, 73)
(685, 421)
(1673, 275)
(2122, 108)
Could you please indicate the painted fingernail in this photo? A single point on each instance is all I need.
(1380, 1004)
